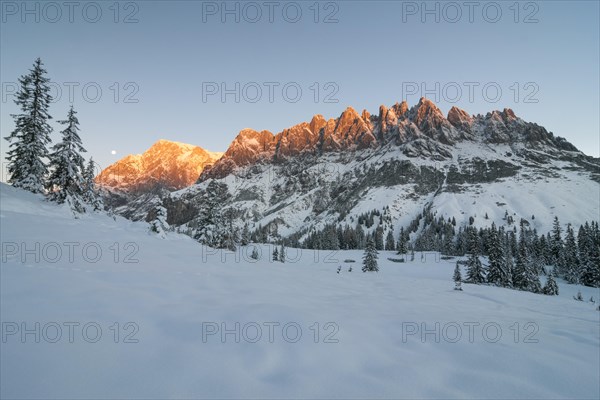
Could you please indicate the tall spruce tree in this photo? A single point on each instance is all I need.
(401, 248)
(496, 273)
(475, 271)
(571, 263)
(245, 239)
(390, 242)
(212, 225)
(591, 271)
(26, 158)
(282, 252)
(584, 244)
(229, 231)
(536, 253)
(508, 261)
(556, 244)
(90, 193)
(460, 245)
(379, 238)
(525, 276)
(66, 181)
(590, 256)
(543, 250)
(370, 257)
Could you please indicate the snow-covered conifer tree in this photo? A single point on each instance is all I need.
(571, 263)
(475, 271)
(379, 238)
(525, 276)
(90, 194)
(66, 182)
(389, 241)
(508, 261)
(370, 257)
(254, 254)
(550, 288)
(159, 224)
(556, 244)
(26, 165)
(457, 278)
(245, 239)
(401, 247)
(496, 273)
(282, 253)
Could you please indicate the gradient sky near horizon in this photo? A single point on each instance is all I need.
(544, 57)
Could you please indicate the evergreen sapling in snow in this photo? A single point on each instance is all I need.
(159, 225)
(550, 288)
(370, 257)
(457, 278)
(254, 254)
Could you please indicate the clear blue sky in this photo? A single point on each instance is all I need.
(375, 50)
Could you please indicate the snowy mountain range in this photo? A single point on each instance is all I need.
(404, 160)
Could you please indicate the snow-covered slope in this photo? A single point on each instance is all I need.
(165, 294)
(300, 196)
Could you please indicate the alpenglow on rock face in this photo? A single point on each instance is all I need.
(165, 165)
(420, 131)
(402, 162)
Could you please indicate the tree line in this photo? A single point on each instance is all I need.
(512, 257)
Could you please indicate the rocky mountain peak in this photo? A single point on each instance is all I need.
(347, 118)
(365, 115)
(509, 114)
(316, 123)
(166, 164)
(420, 131)
(427, 115)
(401, 109)
(460, 119)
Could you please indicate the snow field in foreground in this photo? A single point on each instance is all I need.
(142, 317)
